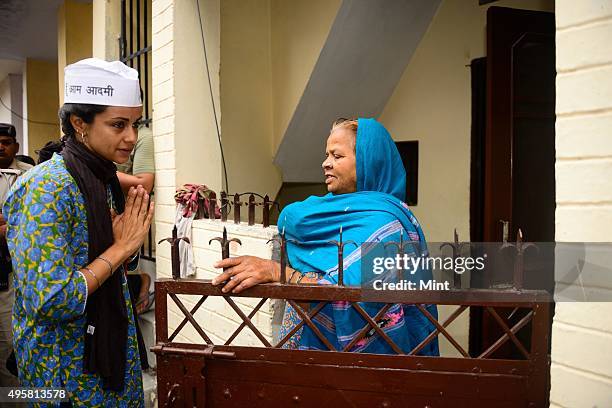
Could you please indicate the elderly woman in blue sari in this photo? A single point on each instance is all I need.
(365, 178)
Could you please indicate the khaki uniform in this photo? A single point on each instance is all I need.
(142, 157)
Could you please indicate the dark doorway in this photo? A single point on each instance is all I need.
(409, 152)
(520, 124)
(478, 69)
(513, 143)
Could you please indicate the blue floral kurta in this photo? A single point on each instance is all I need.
(47, 237)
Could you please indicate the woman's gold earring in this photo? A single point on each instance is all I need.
(83, 137)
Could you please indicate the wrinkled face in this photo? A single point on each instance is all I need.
(8, 149)
(340, 165)
(112, 134)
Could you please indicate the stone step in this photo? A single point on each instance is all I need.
(149, 384)
(147, 327)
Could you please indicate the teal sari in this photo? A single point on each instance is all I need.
(376, 213)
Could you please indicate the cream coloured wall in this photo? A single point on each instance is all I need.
(432, 104)
(74, 37)
(581, 371)
(106, 29)
(246, 96)
(197, 147)
(299, 31)
(186, 145)
(163, 129)
(10, 71)
(17, 105)
(13, 107)
(42, 103)
(279, 42)
(5, 94)
(184, 135)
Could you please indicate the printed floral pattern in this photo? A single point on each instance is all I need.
(47, 237)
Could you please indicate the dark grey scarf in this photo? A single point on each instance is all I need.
(107, 318)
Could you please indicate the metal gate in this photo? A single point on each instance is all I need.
(215, 375)
(229, 375)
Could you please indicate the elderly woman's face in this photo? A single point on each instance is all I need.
(339, 166)
(114, 132)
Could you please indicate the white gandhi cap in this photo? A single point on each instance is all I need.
(98, 82)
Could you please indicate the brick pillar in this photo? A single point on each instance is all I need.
(163, 127)
(581, 372)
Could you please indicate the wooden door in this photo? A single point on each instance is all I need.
(518, 148)
(519, 142)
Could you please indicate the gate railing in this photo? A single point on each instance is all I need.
(536, 304)
(532, 361)
(526, 328)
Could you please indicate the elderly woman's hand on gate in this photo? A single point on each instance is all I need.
(242, 272)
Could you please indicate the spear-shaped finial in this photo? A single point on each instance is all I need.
(282, 241)
(341, 244)
(174, 252)
(457, 247)
(520, 247)
(225, 243)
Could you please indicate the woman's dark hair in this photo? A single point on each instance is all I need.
(84, 111)
(25, 159)
(48, 149)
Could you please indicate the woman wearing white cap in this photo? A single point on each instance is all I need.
(73, 322)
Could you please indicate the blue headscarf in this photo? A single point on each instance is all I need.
(379, 165)
(376, 212)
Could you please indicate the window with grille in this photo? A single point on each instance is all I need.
(135, 51)
(135, 46)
